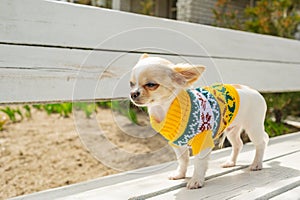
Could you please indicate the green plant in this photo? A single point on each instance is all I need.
(27, 111)
(226, 16)
(275, 129)
(88, 108)
(64, 109)
(12, 113)
(273, 17)
(280, 105)
(38, 106)
(132, 115)
(3, 120)
(104, 104)
(147, 7)
(294, 107)
(125, 108)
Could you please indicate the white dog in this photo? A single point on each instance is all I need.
(194, 117)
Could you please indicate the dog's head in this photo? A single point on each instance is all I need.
(156, 80)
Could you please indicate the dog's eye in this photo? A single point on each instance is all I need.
(132, 84)
(152, 86)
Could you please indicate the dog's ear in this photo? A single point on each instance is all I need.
(186, 75)
(144, 56)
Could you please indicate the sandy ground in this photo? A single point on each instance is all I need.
(51, 151)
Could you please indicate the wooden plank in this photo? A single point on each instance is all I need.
(73, 75)
(60, 74)
(279, 176)
(265, 77)
(292, 194)
(279, 148)
(109, 29)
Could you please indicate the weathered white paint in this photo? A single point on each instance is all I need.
(281, 171)
(38, 74)
(279, 176)
(55, 51)
(63, 24)
(289, 195)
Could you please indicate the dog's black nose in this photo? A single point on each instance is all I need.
(135, 94)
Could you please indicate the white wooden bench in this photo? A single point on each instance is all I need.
(280, 179)
(55, 52)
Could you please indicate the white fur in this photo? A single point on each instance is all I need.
(250, 117)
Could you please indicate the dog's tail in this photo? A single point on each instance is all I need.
(222, 139)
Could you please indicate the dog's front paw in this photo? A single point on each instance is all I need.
(195, 183)
(227, 164)
(176, 175)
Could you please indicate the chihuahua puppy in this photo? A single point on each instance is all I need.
(193, 118)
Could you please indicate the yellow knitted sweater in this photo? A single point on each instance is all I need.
(196, 117)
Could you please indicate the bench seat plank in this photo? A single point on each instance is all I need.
(282, 153)
(289, 195)
(277, 177)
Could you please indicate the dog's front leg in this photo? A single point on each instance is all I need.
(182, 154)
(200, 167)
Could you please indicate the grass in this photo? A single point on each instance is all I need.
(280, 105)
(275, 129)
(13, 114)
(16, 114)
(3, 120)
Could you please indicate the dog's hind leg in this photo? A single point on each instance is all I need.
(254, 127)
(233, 135)
(260, 139)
